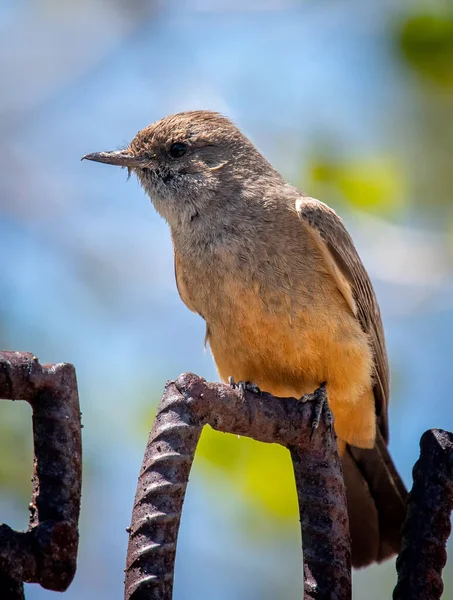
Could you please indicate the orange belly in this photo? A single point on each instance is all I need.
(289, 351)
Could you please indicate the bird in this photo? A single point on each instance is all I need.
(286, 299)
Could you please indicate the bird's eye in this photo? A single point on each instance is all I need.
(177, 150)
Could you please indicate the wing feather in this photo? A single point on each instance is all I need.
(353, 281)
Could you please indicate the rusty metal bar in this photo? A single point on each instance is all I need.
(324, 522)
(323, 514)
(159, 498)
(186, 406)
(47, 552)
(11, 589)
(427, 526)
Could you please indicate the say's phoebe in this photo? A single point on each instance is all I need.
(287, 301)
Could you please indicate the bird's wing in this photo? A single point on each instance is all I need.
(353, 281)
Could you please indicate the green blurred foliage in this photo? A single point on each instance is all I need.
(16, 452)
(371, 183)
(423, 42)
(261, 473)
(426, 42)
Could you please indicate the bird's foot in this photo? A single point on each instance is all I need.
(321, 409)
(244, 386)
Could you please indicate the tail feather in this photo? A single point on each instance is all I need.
(376, 499)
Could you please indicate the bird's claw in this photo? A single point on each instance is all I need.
(321, 409)
(244, 386)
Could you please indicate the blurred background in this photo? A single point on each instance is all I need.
(350, 100)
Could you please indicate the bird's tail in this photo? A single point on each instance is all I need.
(376, 503)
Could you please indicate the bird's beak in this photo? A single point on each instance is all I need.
(120, 158)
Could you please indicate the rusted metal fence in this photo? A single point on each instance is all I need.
(46, 553)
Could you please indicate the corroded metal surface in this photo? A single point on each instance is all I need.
(186, 406)
(427, 526)
(159, 498)
(47, 552)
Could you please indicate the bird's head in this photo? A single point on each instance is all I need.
(183, 161)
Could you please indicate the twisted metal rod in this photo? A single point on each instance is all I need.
(47, 552)
(158, 501)
(427, 525)
(186, 406)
